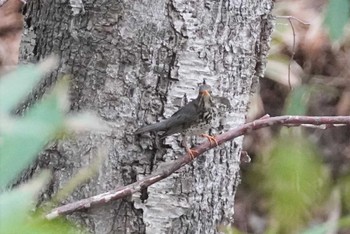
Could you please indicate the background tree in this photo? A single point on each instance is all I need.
(134, 63)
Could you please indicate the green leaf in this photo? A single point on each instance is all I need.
(319, 229)
(337, 15)
(16, 214)
(16, 204)
(38, 225)
(21, 142)
(323, 228)
(296, 103)
(15, 86)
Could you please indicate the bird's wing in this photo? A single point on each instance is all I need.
(182, 119)
(179, 121)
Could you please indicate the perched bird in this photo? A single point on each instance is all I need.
(192, 119)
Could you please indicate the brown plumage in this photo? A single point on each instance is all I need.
(193, 119)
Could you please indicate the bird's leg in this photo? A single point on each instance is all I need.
(211, 139)
(190, 152)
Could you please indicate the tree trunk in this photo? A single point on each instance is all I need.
(135, 63)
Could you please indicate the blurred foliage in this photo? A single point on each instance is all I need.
(337, 16)
(344, 184)
(325, 228)
(296, 103)
(294, 181)
(81, 177)
(292, 175)
(299, 179)
(33, 131)
(295, 184)
(21, 140)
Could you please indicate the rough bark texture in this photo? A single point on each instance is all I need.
(134, 63)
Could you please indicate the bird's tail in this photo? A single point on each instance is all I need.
(161, 126)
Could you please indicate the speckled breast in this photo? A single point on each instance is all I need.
(203, 123)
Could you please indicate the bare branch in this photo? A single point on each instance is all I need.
(265, 121)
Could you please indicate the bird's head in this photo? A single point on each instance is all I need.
(204, 96)
(204, 90)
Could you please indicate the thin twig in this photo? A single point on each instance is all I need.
(290, 18)
(293, 54)
(124, 191)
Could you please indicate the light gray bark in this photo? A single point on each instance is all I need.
(135, 63)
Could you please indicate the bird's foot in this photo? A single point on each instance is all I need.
(191, 153)
(211, 139)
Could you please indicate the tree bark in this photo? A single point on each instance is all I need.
(135, 63)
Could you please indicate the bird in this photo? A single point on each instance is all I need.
(194, 118)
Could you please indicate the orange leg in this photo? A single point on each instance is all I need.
(190, 152)
(211, 139)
